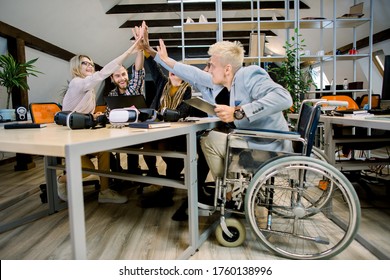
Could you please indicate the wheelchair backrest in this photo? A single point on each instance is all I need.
(306, 127)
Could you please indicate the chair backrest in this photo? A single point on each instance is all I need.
(375, 101)
(43, 112)
(352, 105)
(306, 126)
(100, 108)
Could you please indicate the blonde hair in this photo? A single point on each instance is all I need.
(75, 65)
(229, 53)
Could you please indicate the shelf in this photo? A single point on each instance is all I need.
(315, 58)
(328, 23)
(315, 23)
(267, 25)
(237, 25)
(196, 61)
(349, 22)
(330, 92)
(278, 58)
(252, 25)
(351, 56)
(246, 59)
(200, 27)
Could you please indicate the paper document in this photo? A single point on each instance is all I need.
(201, 104)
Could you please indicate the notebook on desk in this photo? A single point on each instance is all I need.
(347, 112)
(126, 101)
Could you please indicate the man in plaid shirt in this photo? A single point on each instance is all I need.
(126, 86)
(129, 86)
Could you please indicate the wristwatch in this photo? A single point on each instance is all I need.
(239, 114)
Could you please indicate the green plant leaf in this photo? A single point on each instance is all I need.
(14, 74)
(289, 75)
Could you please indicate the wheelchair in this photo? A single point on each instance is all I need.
(298, 205)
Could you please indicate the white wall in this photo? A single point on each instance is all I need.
(47, 87)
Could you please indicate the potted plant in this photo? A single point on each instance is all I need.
(296, 80)
(14, 74)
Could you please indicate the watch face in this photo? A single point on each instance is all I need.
(238, 114)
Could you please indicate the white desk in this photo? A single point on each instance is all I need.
(330, 142)
(58, 141)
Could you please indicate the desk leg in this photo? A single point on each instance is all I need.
(329, 146)
(76, 203)
(51, 184)
(192, 186)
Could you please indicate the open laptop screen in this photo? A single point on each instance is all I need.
(117, 102)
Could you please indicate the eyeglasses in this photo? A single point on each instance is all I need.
(86, 63)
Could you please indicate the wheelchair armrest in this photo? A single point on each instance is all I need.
(269, 133)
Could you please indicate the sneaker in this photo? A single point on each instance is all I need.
(61, 190)
(110, 196)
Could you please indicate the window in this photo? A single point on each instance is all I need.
(379, 60)
(316, 76)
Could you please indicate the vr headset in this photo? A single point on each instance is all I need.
(74, 120)
(130, 115)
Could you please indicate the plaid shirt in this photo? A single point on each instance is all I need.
(135, 87)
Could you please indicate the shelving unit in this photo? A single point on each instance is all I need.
(219, 26)
(256, 25)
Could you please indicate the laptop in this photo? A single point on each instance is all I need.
(125, 101)
(355, 11)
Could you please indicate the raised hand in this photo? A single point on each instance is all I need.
(138, 33)
(162, 50)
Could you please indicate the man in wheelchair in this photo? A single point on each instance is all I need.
(256, 102)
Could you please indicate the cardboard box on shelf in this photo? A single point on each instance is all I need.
(355, 85)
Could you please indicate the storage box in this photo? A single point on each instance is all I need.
(355, 85)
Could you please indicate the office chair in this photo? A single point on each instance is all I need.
(375, 101)
(43, 113)
(352, 105)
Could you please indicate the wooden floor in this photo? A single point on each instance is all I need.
(126, 231)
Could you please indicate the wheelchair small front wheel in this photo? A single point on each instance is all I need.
(236, 228)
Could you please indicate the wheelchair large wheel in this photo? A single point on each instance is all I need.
(236, 228)
(319, 154)
(312, 209)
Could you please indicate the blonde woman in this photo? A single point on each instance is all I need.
(81, 97)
